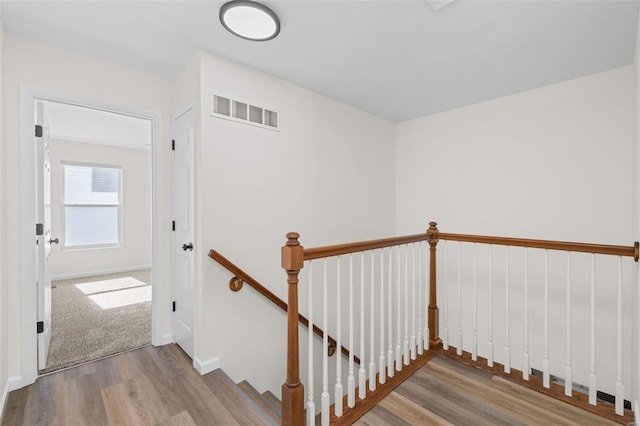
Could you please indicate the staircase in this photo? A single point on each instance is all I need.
(267, 402)
(398, 279)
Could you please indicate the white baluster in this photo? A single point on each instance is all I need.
(474, 339)
(325, 400)
(413, 301)
(507, 346)
(490, 331)
(338, 392)
(390, 369)
(406, 305)
(619, 385)
(424, 284)
(593, 390)
(421, 341)
(372, 355)
(525, 355)
(382, 377)
(445, 308)
(459, 344)
(546, 373)
(568, 379)
(311, 406)
(362, 390)
(351, 380)
(398, 311)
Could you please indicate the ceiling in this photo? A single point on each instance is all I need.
(397, 59)
(88, 125)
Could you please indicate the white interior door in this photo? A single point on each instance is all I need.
(182, 251)
(43, 241)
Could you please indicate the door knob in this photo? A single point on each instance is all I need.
(54, 241)
(186, 247)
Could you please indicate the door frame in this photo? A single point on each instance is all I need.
(28, 96)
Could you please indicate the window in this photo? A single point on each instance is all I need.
(92, 201)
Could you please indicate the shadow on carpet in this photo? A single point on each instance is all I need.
(98, 316)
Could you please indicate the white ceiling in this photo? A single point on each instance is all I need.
(79, 124)
(398, 59)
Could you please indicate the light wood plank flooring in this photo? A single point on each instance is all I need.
(147, 386)
(445, 392)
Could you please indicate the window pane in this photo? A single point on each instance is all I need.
(86, 226)
(91, 185)
(104, 180)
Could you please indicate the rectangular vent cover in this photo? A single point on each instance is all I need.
(240, 110)
(255, 114)
(243, 112)
(222, 105)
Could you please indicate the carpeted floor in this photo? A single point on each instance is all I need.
(98, 316)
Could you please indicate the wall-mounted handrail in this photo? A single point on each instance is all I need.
(245, 277)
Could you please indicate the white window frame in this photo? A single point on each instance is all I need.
(120, 243)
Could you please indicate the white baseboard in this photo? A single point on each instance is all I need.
(636, 412)
(204, 367)
(12, 384)
(101, 272)
(166, 339)
(3, 399)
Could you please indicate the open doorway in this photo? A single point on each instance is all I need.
(99, 249)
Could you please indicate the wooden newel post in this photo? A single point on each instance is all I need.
(292, 389)
(434, 330)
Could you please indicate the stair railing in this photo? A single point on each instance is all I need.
(391, 318)
(240, 277)
(560, 335)
(385, 314)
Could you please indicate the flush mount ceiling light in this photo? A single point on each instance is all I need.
(250, 20)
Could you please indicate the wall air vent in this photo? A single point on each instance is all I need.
(222, 105)
(255, 114)
(240, 110)
(243, 112)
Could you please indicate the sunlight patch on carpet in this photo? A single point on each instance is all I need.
(119, 298)
(109, 285)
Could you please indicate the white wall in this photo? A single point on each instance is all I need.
(3, 283)
(40, 66)
(135, 250)
(527, 165)
(327, 174)
(636, 228)
(551, 163)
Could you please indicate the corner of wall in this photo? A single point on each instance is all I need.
(4, 382)
(12, 384)
(636, 229)
(206, 366)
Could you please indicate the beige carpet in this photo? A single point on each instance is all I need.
(98, 316)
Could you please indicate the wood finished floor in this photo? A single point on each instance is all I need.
(445, 392)
(158, 386)
(148, 386)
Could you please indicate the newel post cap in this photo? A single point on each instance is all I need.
(292, 253)
(432, 232)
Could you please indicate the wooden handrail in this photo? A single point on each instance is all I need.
(340, 249)
(234, 269)
(294, 255)
(629, 251)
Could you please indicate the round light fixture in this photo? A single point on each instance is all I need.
(250, 20)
